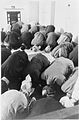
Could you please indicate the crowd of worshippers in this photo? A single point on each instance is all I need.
(20, 77)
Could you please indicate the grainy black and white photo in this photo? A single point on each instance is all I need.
(39, 59)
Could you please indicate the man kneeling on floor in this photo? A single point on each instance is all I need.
(13, 101)
(71, 88)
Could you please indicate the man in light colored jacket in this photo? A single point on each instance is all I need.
(11, 102)
(58, 71)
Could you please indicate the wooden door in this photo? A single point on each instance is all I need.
(13, 17)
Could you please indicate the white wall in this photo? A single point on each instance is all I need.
(33, 11)
(46, 12)
(29, 12)
(55, 12)
(67, 17)
(41, 11)
(52, 11)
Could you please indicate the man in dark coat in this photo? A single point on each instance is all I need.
(27, 38)
(15, 40)
(3, 35)
(52, 40)
(5, 53)
(74, 56)
(13, 67)
(4, 84)
(50, 28)
(37, 65)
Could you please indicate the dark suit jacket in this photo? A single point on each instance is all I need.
(74, 56)
(13, 67)
(36, 66)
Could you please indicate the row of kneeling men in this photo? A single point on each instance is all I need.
(44, 37)
(20, 77)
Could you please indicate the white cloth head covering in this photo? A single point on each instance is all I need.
(26, 84)
(11, 102)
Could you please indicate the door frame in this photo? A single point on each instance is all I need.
(9, 21)
(13, 9)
